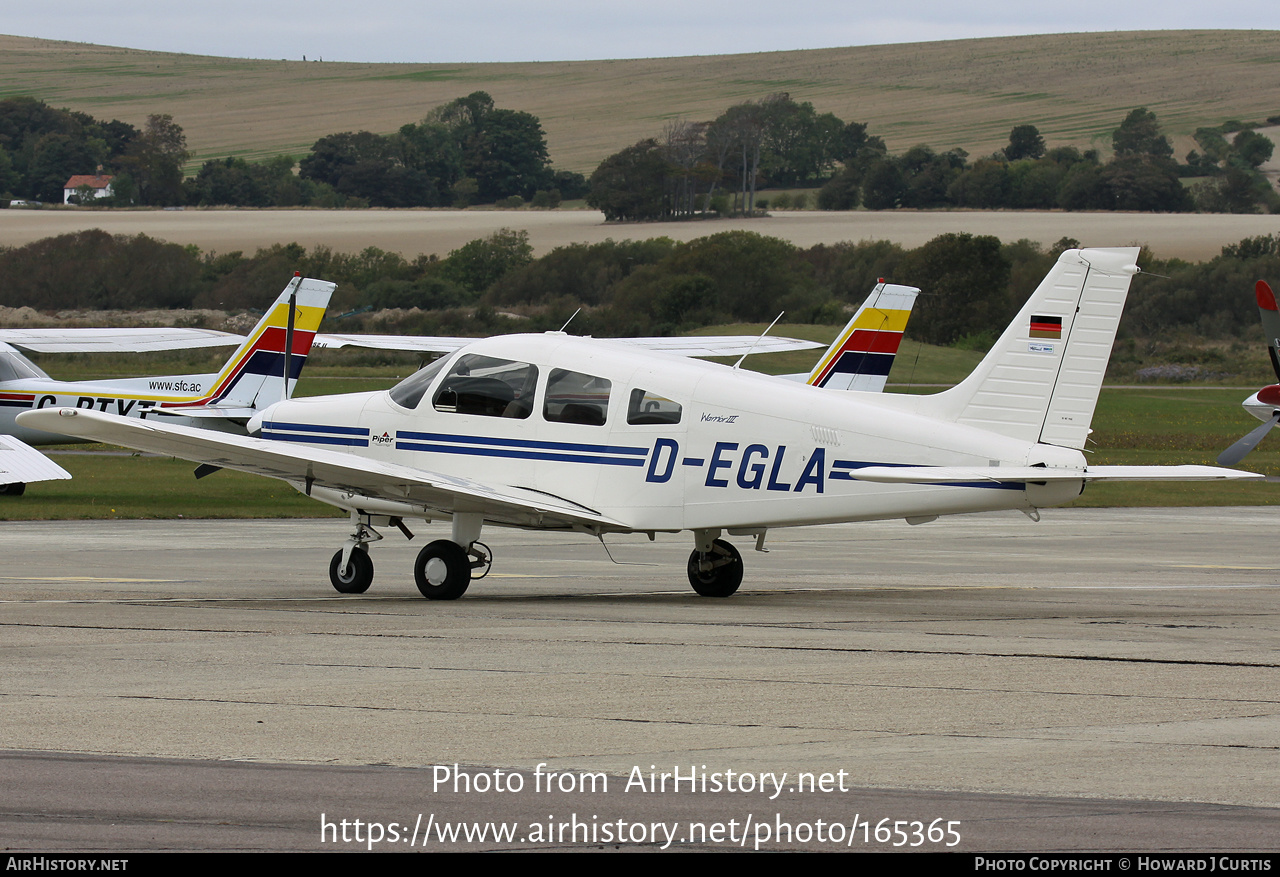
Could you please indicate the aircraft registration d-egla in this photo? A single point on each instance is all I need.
(1264, 404)
(555, 432)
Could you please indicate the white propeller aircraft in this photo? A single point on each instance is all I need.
(1264, 404)
(562, 433)
(252, 378)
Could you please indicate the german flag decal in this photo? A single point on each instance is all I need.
(1046, 327)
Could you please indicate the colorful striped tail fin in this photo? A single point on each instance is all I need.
(254, 376)
(862, 354)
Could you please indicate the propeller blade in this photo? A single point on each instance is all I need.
(1240, 449)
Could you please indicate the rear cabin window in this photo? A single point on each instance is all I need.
(488, 386)
(573, 397)
(646, 408)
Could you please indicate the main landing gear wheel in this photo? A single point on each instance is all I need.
(442, 570)
(358, 575)
(716, 573)
(15, 489)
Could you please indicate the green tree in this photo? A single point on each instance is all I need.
(632, 184)
(964, 281)
(1024, 142)
(479, 264)
(1139, 134)
(1252, 148)
(154, 161)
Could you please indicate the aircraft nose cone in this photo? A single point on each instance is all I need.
(1270, 395)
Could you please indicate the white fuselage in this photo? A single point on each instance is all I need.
(749, 451)
(130, 397)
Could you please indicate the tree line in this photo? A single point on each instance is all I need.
(776, 142)
(972, 285)
(466, 151)
(471, 151)
(41, 148)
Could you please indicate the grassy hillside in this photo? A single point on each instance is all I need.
(967, 93)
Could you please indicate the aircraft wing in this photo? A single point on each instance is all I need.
(705, 345)
(142, 340)
(1036, 474)
(321, 467)
(719, 345)
(22, 464)
(418, 343)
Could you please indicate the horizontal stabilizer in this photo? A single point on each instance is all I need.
(1039, 475)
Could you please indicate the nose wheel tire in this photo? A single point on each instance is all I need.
(718, 572)
(358, 575)
(442, 570)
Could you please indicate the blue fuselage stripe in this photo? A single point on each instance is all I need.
(519, 454)
(520, 443)
(318, 439)
(316, 427)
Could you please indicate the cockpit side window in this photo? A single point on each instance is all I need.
(488, 386)
(409, 392)
(646, 408)
(573, 397)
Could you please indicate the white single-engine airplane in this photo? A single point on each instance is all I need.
(562, 433)
(1264, 404)
(251, 379)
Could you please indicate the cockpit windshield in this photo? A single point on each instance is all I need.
(409, 392)
(16, 367)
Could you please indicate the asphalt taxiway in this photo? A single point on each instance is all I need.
(1102, 679)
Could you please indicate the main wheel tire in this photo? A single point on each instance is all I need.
(17, 488)
(725, 575)
(358, 575)
(442, 570)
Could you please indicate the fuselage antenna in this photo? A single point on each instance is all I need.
(570, 320)
(757, 341)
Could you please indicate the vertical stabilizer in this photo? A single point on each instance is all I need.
(254, 375)
(862, 354)
(1040, 382)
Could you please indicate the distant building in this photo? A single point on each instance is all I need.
(100, 183)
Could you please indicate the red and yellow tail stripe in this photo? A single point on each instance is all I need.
(261, 356)
(870, 341)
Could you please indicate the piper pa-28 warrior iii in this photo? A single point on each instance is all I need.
(555, 432)
(251, 379)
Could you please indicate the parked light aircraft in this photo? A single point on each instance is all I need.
(253, 377)
(1264, 404)
(562, 433)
